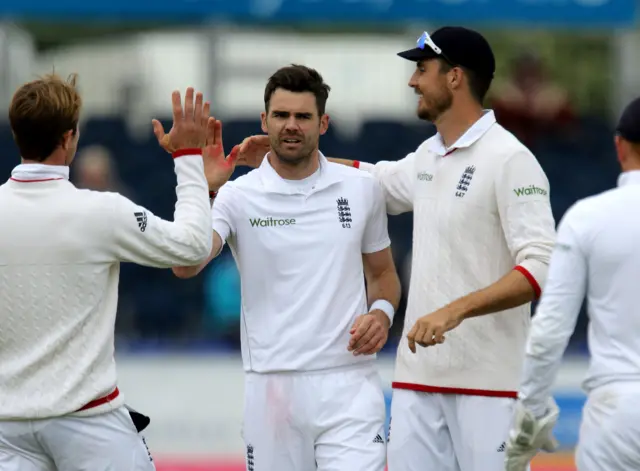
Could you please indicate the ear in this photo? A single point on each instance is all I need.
(67, 139)
(621, 148)
(455, 77)
(263, 119)
(324, 124)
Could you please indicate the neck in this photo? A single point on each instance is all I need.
(454, 122)
(298, 170)
(632, 164)
(51, 160)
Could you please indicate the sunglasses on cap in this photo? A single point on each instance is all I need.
(425, 41)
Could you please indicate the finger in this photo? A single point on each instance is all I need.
(355, 325)
(420, 336)
(232, 158)
(411, 338)
(438, 336)
(197, 111)
(158, 130)
(211, 126)
(355, 332)
(188, 104)
(369, 348)
(176, 101)
(206, 110)
(427, 337)
(218, 133)
(365, 338)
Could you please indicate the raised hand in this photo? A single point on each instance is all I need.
(252, 150)
(189, 129)
(217, 168)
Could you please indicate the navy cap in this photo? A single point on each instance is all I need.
(629, 125)
(457, 45)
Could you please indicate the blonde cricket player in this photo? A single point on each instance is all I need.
(60, 254)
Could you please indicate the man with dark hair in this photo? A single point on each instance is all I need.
(60, 254)
(482, 239)
(304, 233)
(597, 256)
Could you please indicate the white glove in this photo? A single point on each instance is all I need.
(530, 435)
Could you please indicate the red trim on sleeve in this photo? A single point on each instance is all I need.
(183, 152)
(530, 279)
(101, 400)
(35, 181)
(460, 391)
(356, 164)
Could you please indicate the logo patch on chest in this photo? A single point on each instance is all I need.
(344, 212)
(465, 181)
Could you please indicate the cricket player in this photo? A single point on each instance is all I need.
(304, 233)
(482, 239)
(60, 250)
(597, 255)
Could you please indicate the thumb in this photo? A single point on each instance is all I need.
(158, 130)
(232, 158)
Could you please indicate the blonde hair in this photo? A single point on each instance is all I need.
(41, 112)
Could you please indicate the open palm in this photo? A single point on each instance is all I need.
(217, 168)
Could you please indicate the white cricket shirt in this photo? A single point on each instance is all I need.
(480, 209)
(60, 249)
(597, 255)
(298, 247)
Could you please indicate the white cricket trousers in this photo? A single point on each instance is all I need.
(448, 432)
(105, 442)
(331, 420)
(610, 430)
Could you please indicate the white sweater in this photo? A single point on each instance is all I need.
(60, 249)
(481, 209)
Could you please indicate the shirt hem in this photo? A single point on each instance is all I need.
(448, 390)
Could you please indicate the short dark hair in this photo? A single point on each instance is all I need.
(41, 112)
(478, 84)
(298, 79)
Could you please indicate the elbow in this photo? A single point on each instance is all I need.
(185, 273)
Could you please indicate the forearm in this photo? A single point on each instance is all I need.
(510, 291)
(191, 271)
(386, 286)
(347, 162)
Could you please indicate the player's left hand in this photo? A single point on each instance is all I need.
(429, 330)
(529, 435)
(369, 333)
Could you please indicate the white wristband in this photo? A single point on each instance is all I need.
(386, 307)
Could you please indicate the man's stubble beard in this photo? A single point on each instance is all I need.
(294, 160)
(436, 107)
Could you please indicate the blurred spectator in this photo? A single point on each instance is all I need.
(95, 169)
(223, 299)
(529, 103)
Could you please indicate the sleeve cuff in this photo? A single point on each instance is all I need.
(531, 279)
(183, 152)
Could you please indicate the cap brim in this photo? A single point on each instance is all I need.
(416, 54)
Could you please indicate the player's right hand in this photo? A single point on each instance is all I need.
(253, 150)
(190, 123)
(217, 168)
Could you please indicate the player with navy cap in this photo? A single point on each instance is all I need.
(483, 232)
(597, 256)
